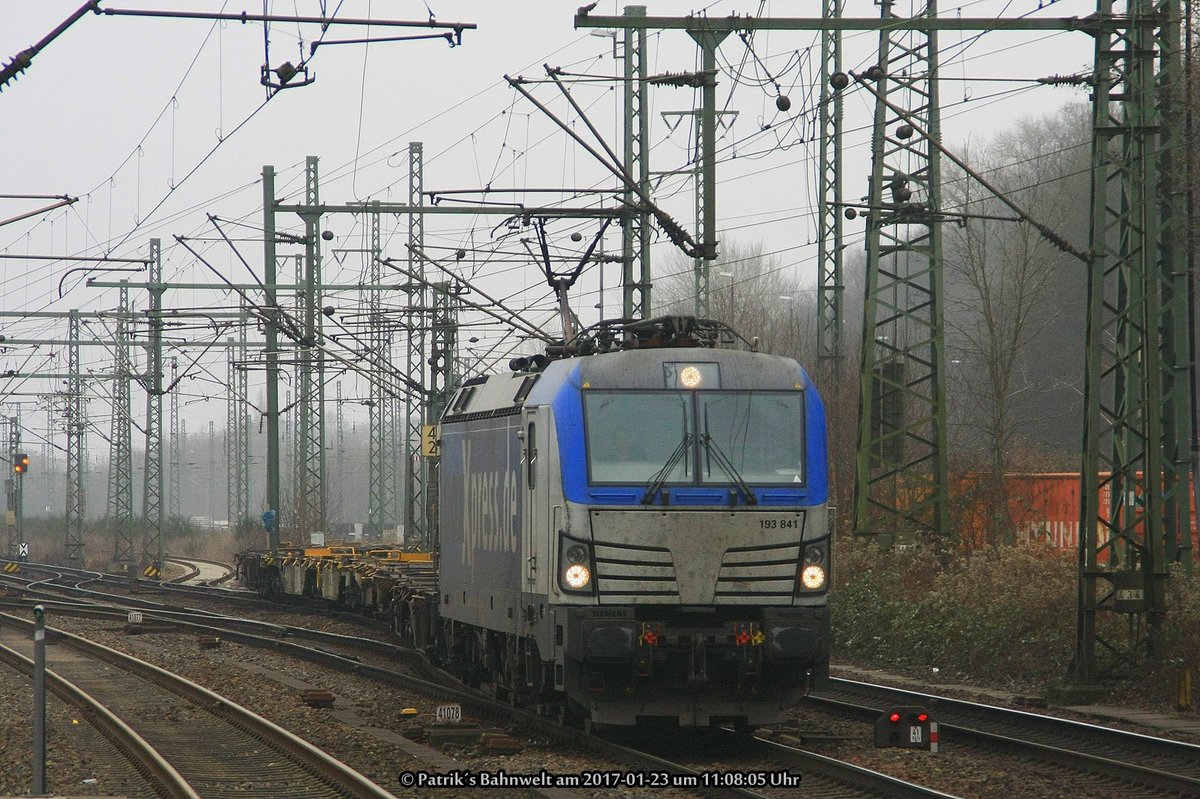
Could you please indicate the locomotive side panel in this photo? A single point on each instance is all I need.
(481, 517)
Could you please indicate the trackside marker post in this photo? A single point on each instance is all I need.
(39, 700)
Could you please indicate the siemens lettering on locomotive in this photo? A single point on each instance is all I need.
(635, 535)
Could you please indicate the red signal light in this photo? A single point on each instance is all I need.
(922, 717)
(894, 718)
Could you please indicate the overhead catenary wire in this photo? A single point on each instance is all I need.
(723, 162)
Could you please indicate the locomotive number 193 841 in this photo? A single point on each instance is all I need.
(779, 524)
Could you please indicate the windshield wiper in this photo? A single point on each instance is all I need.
(728, 468)
(660, 477)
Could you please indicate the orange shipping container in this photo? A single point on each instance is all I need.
(1042, 506)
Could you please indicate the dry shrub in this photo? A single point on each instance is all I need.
(871, 598)
(1181, 626)
(1002, 614)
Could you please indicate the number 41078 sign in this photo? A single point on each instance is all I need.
(449, 714)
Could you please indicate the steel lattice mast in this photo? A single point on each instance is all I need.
(237, 432)
(416, 411)
(13, 485)
(152, 485)
(1137, 432)
(76, 427)
(174, 449)
(337, 493)
(901, 475)
(442, 382)
(120, 462)
(271, 344)
(1172, 274)
(830, 291)
(311, 493)
(382, 461)
(635, 234)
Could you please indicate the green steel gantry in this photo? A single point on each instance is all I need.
(901, 481)
(1134, 519)
(417, 505)
(431, 327)
(636, 285)
(152, 481)
(13, 486)
(830, 287)
(120, 462)
(1134, 507)
(310, 490)
(382, 464)
(237, 430)
(76, 427)
(174, 448)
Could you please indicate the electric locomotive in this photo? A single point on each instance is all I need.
(638, 534)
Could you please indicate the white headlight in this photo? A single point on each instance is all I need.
(813, 577)
(577, 576)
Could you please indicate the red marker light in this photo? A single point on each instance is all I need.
(922, 717)
(894, 718)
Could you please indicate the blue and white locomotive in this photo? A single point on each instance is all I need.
(637, 534)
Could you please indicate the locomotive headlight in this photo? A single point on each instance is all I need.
(690, 377)
(575, 566)
(814, 568)
(577, 577)
(813, 577)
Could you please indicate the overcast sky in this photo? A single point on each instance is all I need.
(154, 123)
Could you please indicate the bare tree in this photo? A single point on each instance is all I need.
(1007, 288)
(752, 292)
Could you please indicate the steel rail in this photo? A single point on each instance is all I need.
(958, 717)
(325, 766)
(142, 756)
(477, 701)
(433, 682)
(848, 773)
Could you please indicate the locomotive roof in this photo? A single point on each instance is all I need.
(644, 368)
(629, 369)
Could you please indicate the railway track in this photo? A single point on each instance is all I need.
(764, 764)
(1091, 757)
(377, 661)
(204, 571)
(830, 777)
(162, 718)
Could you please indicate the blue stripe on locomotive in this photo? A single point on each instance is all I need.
(568, 420)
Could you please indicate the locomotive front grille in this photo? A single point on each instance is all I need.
(695, 557)
(760, 571)
(626, 571)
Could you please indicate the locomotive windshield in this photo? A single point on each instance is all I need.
(762, 435)
(632, 436)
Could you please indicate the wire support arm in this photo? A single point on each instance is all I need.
(513, 319)
(455, 27)
(675, 232)
(1047, 233)
(22, 60)
(62, 200)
